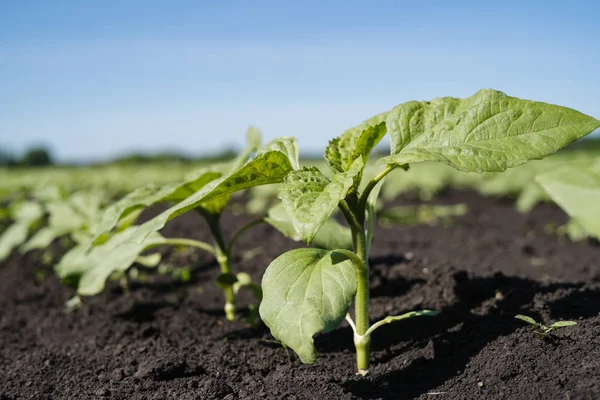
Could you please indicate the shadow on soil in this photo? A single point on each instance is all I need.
(461, 331)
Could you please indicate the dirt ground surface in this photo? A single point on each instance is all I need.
(168, 339)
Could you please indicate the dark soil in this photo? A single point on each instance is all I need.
(168, 339)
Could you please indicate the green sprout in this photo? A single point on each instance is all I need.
(542, 330)
(309, 290)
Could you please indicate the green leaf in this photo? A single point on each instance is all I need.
(332, 235)
(64, 219)
(393, 318)
(573, 230)
(149, 261)
(287, 146)
(372, 213)
(12, 237)
(488, 131)
(306, 291)
(268, 167)
(355, 142)
(576, 189)
(174, 192)
(561, 324)
(92, 268)
(245, 280)
(527, 319)
(149, 195)
(309, 197)
(41, 239)
(411, 314)
(253, 140)
(25, 216)
(272, 163)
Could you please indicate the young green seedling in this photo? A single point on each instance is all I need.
(207, 192)
(542, 330)
(310, 290)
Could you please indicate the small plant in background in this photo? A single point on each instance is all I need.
(309, 290)
(26, 216)
(542, 330)
(423, 214)
(117, 243)
(575, 187)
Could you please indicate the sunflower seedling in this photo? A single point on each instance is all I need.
(309, 290)
(115, 248)
(542, 330)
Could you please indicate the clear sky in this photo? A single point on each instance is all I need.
(92, 79)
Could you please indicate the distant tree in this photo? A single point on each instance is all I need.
(6, 157)
(36, 157)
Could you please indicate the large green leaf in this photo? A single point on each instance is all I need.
(355, 142)
(309, 197)
(488, 131)
(576, 189)
(306, 291)
(178, 191)
(149, 195)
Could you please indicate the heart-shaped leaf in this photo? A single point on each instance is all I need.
(306, 291)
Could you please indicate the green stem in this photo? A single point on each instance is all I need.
(364, 197)
(362, 340)
(224, 259)
(225, 263)
(190, 242)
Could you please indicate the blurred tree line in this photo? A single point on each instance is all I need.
(37, 156)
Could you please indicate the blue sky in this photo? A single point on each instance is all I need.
(92, 79)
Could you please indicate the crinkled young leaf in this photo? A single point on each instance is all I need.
(309, 197)
(306, 291)
(488, 131)
(332, 235)
(355, 142)
(575, 188)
